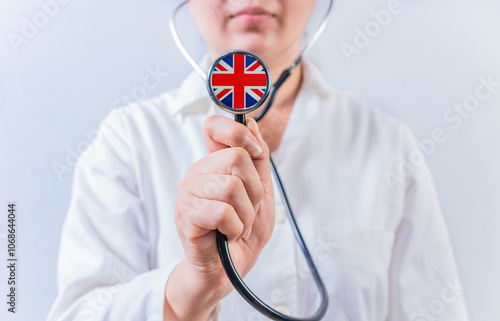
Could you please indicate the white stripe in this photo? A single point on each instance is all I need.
(225, 65)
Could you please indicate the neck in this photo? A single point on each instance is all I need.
(288, 91)
(272, 126)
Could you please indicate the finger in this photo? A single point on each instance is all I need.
(231, 161)
(224, 188)
(210, 215)
(262, 163)
(222, 132)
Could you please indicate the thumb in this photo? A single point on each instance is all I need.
(262, 163)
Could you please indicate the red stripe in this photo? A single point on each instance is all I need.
(247, 80)
(255, 66)
(258, 92)
(223, 93)
(239, 81)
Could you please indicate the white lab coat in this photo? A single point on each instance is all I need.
(373, 225)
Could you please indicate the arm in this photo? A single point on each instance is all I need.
(104, 268)
(424, 280)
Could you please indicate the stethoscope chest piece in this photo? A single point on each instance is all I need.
(238, 81)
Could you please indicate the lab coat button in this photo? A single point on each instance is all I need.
(283, 309)
(280, 214)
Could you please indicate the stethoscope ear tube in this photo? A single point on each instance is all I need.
(242, 288)
(274, 89)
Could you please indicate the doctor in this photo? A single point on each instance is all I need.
(162, 175)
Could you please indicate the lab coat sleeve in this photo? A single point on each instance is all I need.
(105, 268)
(424, 280)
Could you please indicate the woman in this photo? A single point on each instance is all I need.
(148, 195)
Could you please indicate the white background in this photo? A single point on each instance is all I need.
(58, 85)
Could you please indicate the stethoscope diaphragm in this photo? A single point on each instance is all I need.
(238, 81)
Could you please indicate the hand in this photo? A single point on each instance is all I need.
(229, 190)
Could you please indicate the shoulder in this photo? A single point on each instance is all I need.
(355, 120)
(344, 102)
(368, 116)
(164, 110)
(136, 118)
(119, 131)
(148, 110)
(362, 136)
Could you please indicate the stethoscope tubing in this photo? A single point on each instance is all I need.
(242, 288)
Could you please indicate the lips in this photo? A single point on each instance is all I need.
(252, 11)
(252, 15)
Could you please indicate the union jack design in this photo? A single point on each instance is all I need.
(239, 81)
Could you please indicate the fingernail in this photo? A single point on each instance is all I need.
(258, 131)
(253, 147)
(246, 233)
(252, 124)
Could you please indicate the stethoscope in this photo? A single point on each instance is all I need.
(239, 82)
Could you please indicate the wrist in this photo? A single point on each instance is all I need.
(190, 295)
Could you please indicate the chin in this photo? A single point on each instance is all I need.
(254, 43)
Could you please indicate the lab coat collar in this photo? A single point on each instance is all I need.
(193, 91)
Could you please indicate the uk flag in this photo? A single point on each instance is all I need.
(239, 81)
